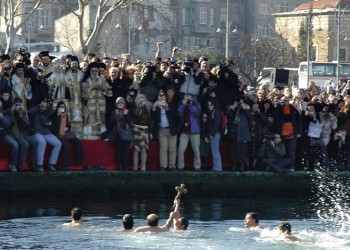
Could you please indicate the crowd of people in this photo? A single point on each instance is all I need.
(58, 101)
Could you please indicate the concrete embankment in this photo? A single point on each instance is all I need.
(107, 183)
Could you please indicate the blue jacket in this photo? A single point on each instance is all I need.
(195, 112)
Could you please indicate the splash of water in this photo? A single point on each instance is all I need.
(331, 198)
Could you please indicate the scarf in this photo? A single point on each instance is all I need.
(63, 123)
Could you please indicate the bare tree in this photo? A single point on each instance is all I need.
(255, 54)
(13, 13)
(102, 12)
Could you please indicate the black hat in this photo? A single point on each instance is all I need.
(18, 66)
(102, 65)
(92, 65)
(45, 53)
(74, 59)
(5, 57)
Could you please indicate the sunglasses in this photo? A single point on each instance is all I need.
(210, 105)
(204, 117)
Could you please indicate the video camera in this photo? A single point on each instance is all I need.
(188, 64)
(25, 54)
(223, 68)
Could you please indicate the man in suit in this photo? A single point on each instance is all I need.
(38, 83)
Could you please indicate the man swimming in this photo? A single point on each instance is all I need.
(285, 231)
(251, 221)
(128, 223)
(77, 217)
(152, 224)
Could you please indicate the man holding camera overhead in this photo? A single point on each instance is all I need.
(272, 153)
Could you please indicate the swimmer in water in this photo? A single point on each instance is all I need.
(77, 217)
(285, 231)
(128, 223)
(152, 224)
(251, 221)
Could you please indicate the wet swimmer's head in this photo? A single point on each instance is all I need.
(128, 221)
(182, 224)
(152, 220)
(285, 228)
(251, 220)
(77, 213)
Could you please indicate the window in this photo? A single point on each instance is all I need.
(202, 15)
(263, 8)
(263, 30)
(284, 7)
(185, 16)
(197, 42)
(173, 17)
(44, 18)
(211, 18)
(342, 55)
(235, 15)
(210, 43)
(186, 42)
(222, 14)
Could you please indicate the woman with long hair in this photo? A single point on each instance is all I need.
(62, 130)
(213, 128)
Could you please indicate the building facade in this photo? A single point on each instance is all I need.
(324, 19)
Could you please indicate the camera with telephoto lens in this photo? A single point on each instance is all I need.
(223, 68)
(188, 64)
(25, 54)
(188, 103)
(150, 68)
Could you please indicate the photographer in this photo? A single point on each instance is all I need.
(192, 81)
(189, 112)
(142, 132)
(165, 117)
(272, 154)
(228, 84)
(19, 130)
(151, 82)
(39, 117)
(5, 121)
(4, 74)
(238, 126)
(62, 130)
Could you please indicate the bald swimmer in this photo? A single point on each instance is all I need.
(152, 224)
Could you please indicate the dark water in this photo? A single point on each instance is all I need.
(204, 209)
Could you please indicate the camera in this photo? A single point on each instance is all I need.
(223, 68)
(19, 107)
(61, 110)
(269, 138)
(188, 102)
(188, 64)
(150, 67)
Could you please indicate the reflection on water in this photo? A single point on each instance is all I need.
(276, 208)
